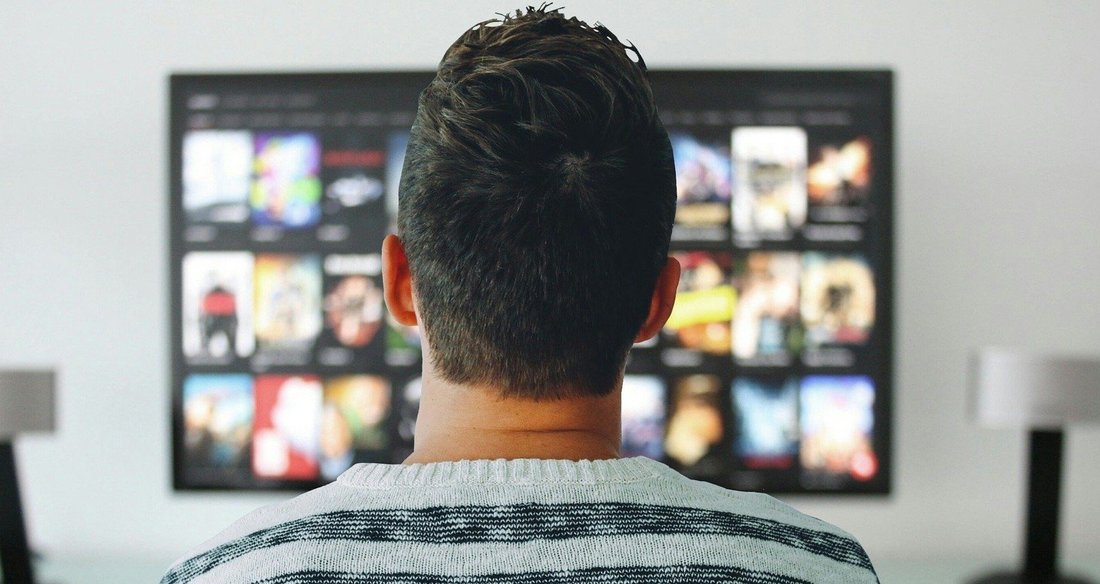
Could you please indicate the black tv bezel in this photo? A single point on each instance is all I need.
(881, 79)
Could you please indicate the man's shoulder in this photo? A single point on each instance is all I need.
(264, 527)
(763, 522)
(707, 496)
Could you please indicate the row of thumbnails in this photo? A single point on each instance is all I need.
(238, 428)
(768, 183)
(758, 308)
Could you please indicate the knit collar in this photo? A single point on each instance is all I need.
(524, 471)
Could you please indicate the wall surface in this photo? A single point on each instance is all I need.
(998, 232)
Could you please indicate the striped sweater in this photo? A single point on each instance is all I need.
(525, 521)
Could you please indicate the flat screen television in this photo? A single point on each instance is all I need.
(774, 372)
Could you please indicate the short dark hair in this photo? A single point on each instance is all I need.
(536, 206)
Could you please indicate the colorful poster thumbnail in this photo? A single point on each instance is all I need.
(353, 425)
(643, 416)
(703, 178)
(354, 307)
(837, 422)
(769, 197)
(353, 170)
(217, 170)
(407, 411)
(217, 306)
(695, 424)
(396, 145)
(287, 430)
(838, 299)
(700, 319)
(402, 343)
(288, 300)
(766, 322)
(767, 422)
(217, 421)
(840, 172)
(286, 185)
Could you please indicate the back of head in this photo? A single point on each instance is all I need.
(536, 204)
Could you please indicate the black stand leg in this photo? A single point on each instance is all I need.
(15, 557)
(1044, 486)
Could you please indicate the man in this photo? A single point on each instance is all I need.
(536, 206)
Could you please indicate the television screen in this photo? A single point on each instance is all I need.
(773, 372)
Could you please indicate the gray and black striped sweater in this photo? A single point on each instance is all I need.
(525, 521)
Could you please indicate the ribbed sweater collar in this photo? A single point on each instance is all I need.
(524, 471)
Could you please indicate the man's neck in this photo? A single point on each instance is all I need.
(459, 422)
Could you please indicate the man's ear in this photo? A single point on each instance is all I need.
(397, 281)
(660, 305)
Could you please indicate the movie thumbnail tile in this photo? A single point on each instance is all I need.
(287, 427)
(643, 412)
(356, 166)
(838, 299)
(217, 306)
(408, 408)
(354, 422)
(769, 197)
(288, 300)
(396, 145)
(217, 421)
(840, 173)
(700, 319)
(217, 170)
(402, 343)
(353, 167)
(351, 190)
(767, 328)
(837, 426)
(702, 180)
(767, 422)
(696, 426)
(353, 305)
(286, 186)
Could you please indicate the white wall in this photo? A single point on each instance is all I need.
(998, 127)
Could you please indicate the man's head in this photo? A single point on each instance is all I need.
(536, 204)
